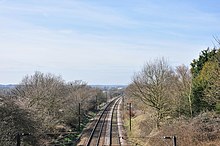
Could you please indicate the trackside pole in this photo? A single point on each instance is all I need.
(174, 140)
(130, 115)
(18, 138)
(79, 118)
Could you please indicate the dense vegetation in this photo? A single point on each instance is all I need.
(44, 105)
(166, 98)
(206, 81)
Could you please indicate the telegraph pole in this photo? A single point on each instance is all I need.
(130, 114)
(174, 140)
(18, 137)
(106, 96)
(79, 118)
(96, 104)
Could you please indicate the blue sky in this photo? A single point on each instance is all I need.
(101, 41)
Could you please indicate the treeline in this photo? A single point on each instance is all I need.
(181, 91)
(44, 104)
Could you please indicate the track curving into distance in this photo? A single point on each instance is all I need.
(105, 131)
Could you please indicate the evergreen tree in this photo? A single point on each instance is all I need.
(202, 72)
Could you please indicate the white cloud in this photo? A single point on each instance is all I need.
(81, 40)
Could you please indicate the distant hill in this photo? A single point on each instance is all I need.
(103, 87)
(9, 86)
(107, 87)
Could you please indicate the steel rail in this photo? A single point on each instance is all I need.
(112, 115)
(100, 132)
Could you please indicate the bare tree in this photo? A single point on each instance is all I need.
(43, 94)
(183, 90)
(80, 92)
(153, 85)
(53, 103)
(16, 120)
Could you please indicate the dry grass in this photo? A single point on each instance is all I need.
(203, 130)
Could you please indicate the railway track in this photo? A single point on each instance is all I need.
(114, 133)
(105, 131)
